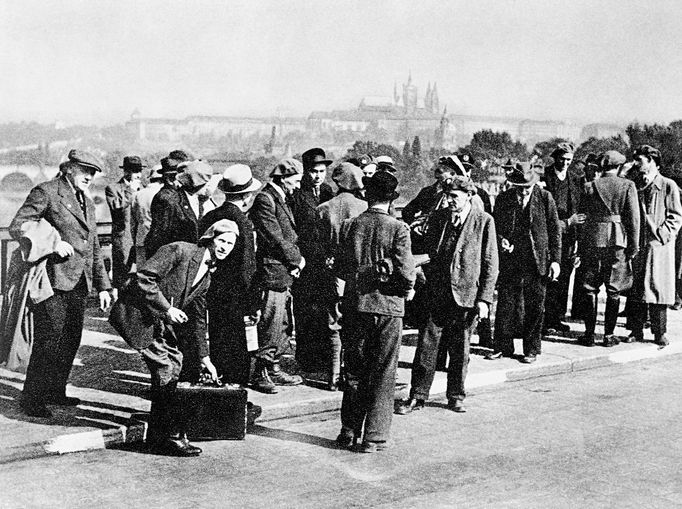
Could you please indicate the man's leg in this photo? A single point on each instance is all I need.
(506, 317)
(459, 344)
(557, 291)
(354, 334)
(534, 290)
(658, 314)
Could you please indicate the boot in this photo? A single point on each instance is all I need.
(590, 319)
(280, 377)
(611, 315)
(261, 380)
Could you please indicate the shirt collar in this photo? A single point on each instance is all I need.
(463, 214)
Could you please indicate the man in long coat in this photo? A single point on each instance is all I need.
(653, 288)
(76, 267)
(120, 200)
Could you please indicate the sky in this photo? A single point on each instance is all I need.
(94, 61)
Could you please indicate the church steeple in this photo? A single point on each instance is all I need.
(435, 104)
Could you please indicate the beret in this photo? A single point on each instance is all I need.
(218, 228)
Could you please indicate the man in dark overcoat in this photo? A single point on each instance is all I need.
(460, 282)
(120, 201)
(609, 239)
(74, 269)
(279, 262)
(233, 294)
(529, 244)
(566, 187)
(310, 291)
(377, 265)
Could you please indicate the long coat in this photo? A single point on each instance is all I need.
(56, 202)
(120, 200)
(304, 207)
(276, 238)
(332, 214)
(576, 183)
(654, 266)
(544, 229)
(474, 263)
(173, 220)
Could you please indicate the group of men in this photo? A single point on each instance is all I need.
(336, 271)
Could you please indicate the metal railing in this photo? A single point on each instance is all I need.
(8, 244)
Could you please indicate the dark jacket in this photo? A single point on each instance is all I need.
(474, 262)
(276, 238)
(576, 183)
(173, 220)
(424, 203)
(168, 276)
(374, 236)
(232, 283)
(56, 202)
(304, 205)
(545, 231)
(120, 199)
(612, 210)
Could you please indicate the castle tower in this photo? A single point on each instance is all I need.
(428, 103)
(409, 96)
(435, 104)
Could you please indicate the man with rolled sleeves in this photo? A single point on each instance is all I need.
(120, 200)
(566, 187)
(73, 270)
(609, 240)
(460, 281)
(529, 244)
(279, 262)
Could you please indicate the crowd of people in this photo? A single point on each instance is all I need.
(339, 270)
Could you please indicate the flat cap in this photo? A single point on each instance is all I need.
(348, 176)
(85, 159)
(218, 228)
(287, 167)
(196, 173)
(459, 183)
(564, 147)
(611, 158)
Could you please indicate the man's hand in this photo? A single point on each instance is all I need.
(576, 219)
(63, 249)
(175, 315)
(410, 295)
(506, 246)
(554, 270)
(104, 300)
(576, 262)
(254, 318)
(483, 309)
(206, 362)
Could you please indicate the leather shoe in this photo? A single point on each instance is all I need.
(635, 337)
(370, 447)
(409, 406)
(280, 377)
(497, 355)
(346, 439)
(64, 401)
(611, 340)
(262, 382)
(457, 405)
(662, 341)
(185, 441)
(33, 409)
(253, 412)
(175, 447)
(586, 340)
(529, 359)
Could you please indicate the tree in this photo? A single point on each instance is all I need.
(407, 150)
(417, 147)
(599, 145)
(488, 148)
(666, 139)
(545, 148)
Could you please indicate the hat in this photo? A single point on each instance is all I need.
(313, 157)
(364, 160)
(85, 159)
(460, 183)
(466, 159)
(287, 167)
(155, 174)
(611, 159)
(237, 179)
(196, 173)
(348, 176)
(453, 163)
(562, 148)
(169, 165)
(132, 164)
(523, 175)
(648, 151)
(180, 156)
(382, 185)
(218, 228)
(385, 163)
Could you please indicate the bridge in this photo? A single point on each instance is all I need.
(22, 177)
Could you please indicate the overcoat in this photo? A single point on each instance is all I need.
(173, 220)
(120, 199)
(654, 266)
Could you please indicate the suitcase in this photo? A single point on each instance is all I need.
(213, 412)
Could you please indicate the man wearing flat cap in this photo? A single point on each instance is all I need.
(529, 245)
(73, 270)
(376, 262)
(233, 294)
(347, 204)
(120, 200)
(309, 290)
(176, 211)
(279, 262)
(653, 288)
(608, 241)
(461, 275)
(566, 187)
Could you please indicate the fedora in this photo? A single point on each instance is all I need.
(523, 175)
(238, 179)
(132, 164)
(313, 157)
(382, 185)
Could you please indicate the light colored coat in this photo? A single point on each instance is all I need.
(654, 266)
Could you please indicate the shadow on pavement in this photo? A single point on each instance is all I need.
(292, 436)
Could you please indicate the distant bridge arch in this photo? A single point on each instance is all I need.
(16, 182)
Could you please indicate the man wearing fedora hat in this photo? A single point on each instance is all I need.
(233, 295)
(309, 289)
(566, 187)
(529, 241)
(461, 276)
(73, 270)
(142, 212)
(376, 262)
(279, 262)
(120, 200)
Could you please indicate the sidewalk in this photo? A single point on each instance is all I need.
(113, 383)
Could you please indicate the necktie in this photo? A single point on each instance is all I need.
(201, 207)
(81, 201)
(316, 193)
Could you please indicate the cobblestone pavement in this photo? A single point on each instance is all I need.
(607, 437)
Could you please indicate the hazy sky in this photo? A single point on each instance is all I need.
(95, 61)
